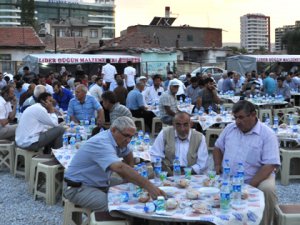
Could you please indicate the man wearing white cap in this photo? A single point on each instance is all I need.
(168, 103)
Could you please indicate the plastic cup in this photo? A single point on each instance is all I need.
(211, 174)
(188, 173)
(163, 176)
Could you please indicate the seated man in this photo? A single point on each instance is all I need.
(33, 131)
(115, 108)
(135, 102)
(283, 89)
(89, 174)
(183, 142)
(168, 103)
(97, 89)
(8, 105)
(153, 93)
(83, 106)
(208, 96)
(62, 95)
(252, 143)
(39, 89)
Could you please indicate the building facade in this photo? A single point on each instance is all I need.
(280, 31)
(100, 13)
(255, 32)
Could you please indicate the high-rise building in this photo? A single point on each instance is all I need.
(100, 12)
(280, 31)
(255, 32)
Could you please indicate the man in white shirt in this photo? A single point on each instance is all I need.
(130, 74)
(152, 93)
(39, 89)
(8, 104)
(108, 73)
(183, 142)
(96, 90)
(38, 126)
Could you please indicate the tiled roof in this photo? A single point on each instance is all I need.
(19, 37)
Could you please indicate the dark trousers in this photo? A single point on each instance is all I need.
(147, 115)
(130, 88)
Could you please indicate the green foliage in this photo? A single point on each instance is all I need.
(27, 13)
(291, 40)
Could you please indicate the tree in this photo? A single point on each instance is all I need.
(291, 41)
(27, 13)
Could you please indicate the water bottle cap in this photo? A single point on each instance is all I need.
(240, 163)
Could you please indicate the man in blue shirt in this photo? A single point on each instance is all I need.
(61, 95)
(269, 84)
(83, 106)
(89, 175)
(135, 102)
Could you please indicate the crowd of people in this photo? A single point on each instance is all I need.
(113, 99)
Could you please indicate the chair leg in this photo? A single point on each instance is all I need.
(285, 170)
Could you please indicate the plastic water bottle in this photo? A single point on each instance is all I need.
(78, 137)
(176, 169)
(291, 120)
(140, 135)
(72, 142)
(226, 171)
(225, 197)
(138, 189)
(93, 122)
(147, 140)
(144, 170)
(275, 124)
(67, 119)
(181, 101)
(196, 111)
(236, 190)
(241, 173)
(65, 140)
(160, 204)
(210, 110)
(201, 111)
(157, 170)
(72, 126)
(86, 126)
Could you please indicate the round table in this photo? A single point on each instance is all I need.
(250, 213)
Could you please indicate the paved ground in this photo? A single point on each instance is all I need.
(17, 206)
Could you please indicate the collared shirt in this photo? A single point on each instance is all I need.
(254, 149)
(109, 72)
(96, 91)
(134, 100)
(227, 85)
(192, 93)
(284, 91)
(34, 120)
(63, 98)
(167, 99)
(84, 111)
(152, 95)
(130, 72)
(292, 84)
(118, 110)
(181, 151)
(91, 163)
(5, 108)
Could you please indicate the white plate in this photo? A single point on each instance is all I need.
(209, 190)
(168, 190)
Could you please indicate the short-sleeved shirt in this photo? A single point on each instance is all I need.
(109, 72)
(227, 85)
(130, 72)
(84, 111)
(5, 108)
(134, 100)
(91, 163)
(63, 99)
(254, 149)
(167, 99)
(284, 91)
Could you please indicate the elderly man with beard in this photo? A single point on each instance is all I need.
(183, 142)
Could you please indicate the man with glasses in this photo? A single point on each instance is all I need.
(183, 142)
(89, 175)
(252, 143)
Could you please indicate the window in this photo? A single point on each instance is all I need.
(93, 33)
(189, 37)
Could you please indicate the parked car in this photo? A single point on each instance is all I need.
(215, 71)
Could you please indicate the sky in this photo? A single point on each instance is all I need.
(223, 14)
